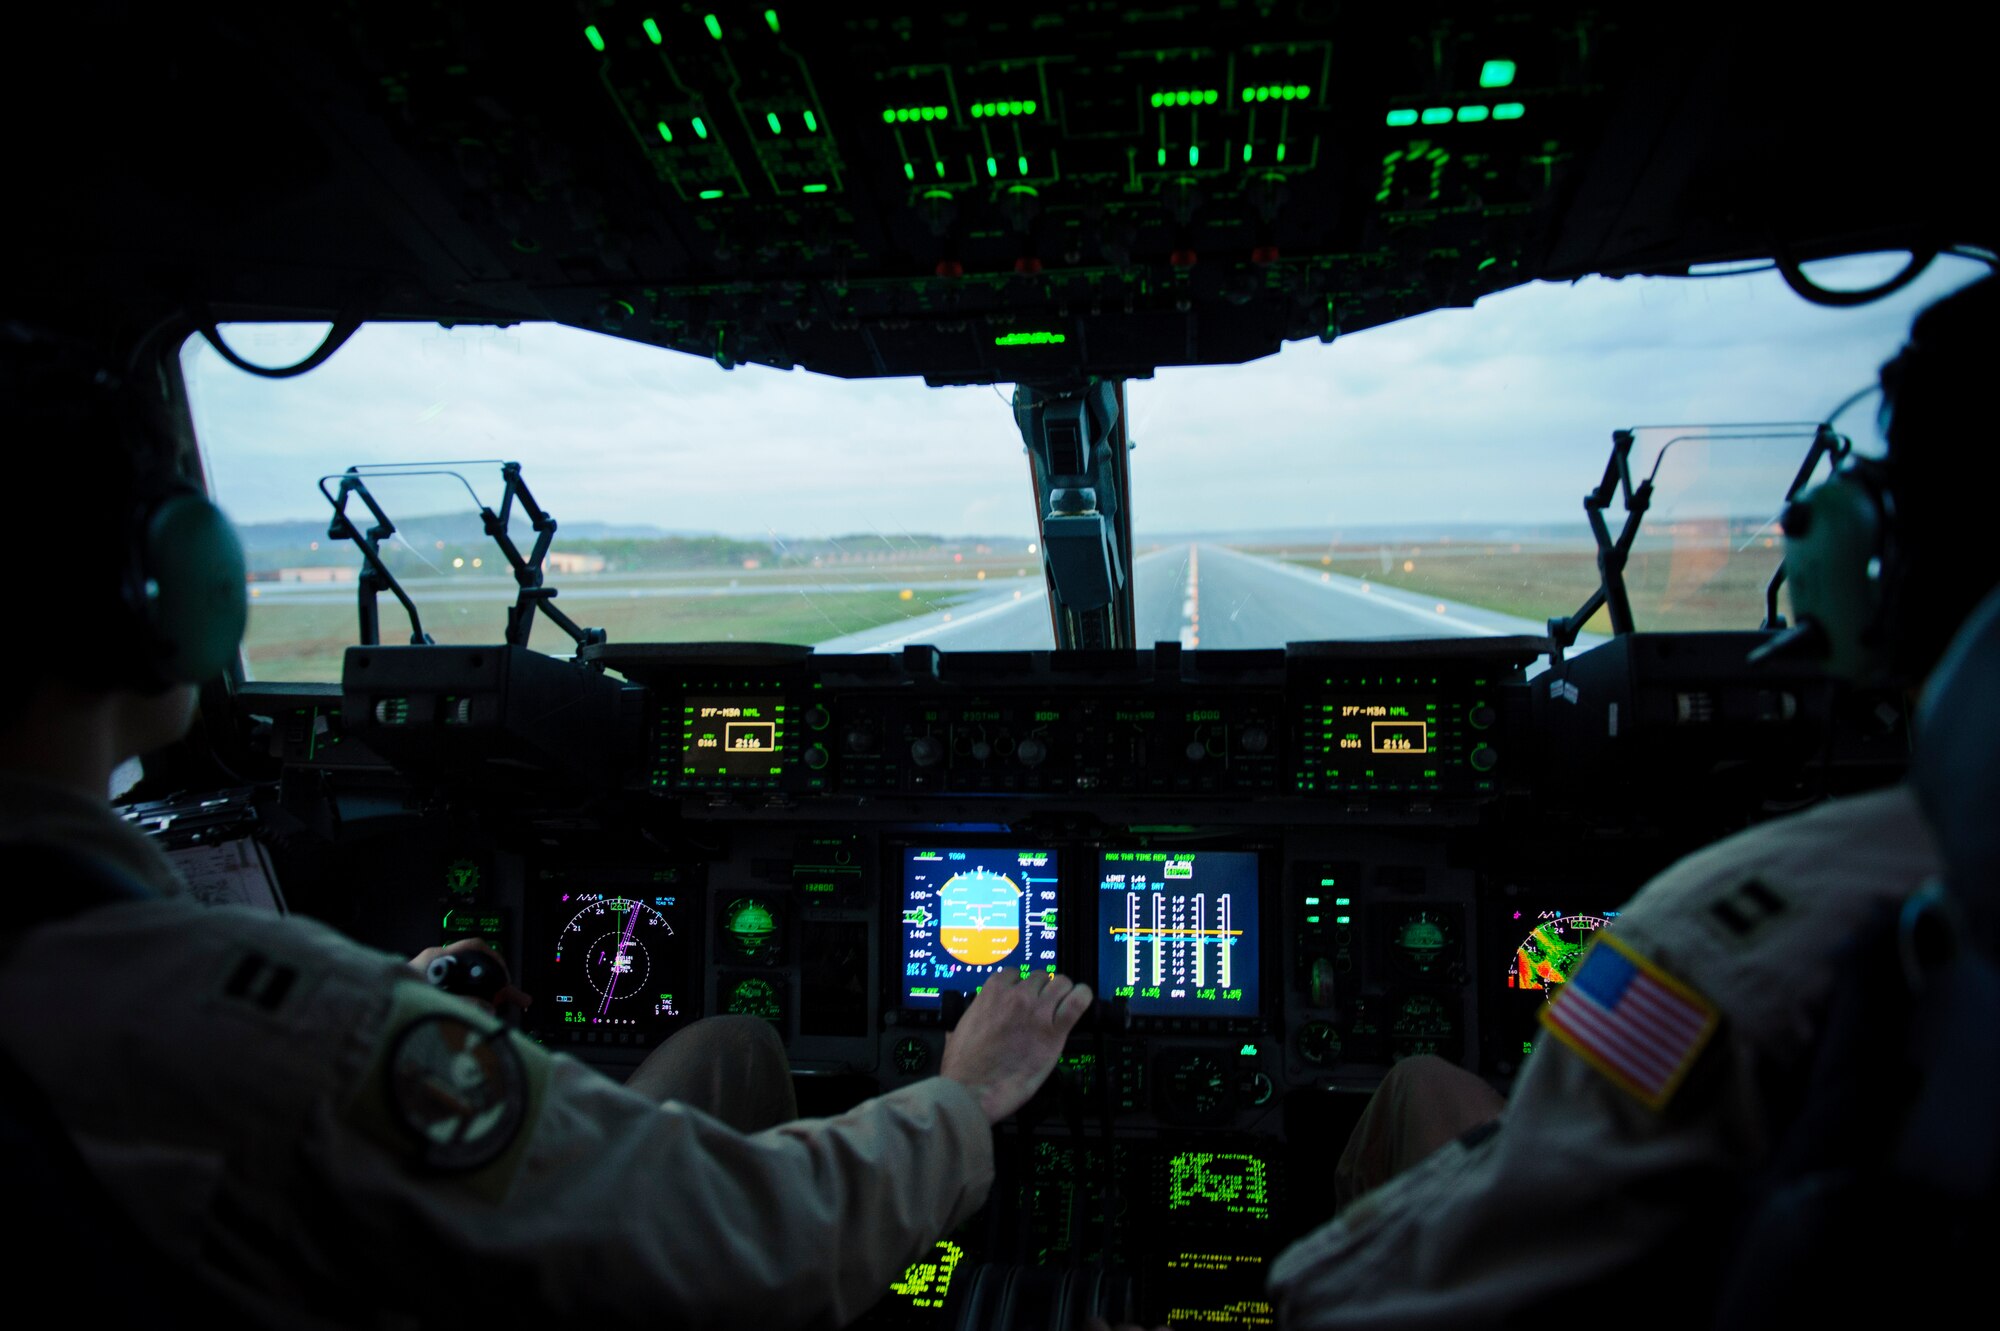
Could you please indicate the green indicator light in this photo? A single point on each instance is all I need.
(771, 119)
(1508, 111)
(1247, 1051)
(1249, 94)
(940, 170)
(700, 130)
(711, 194)
(1163, 157)
(812, 125)
(992, 167)
(1028, 107)
(1486, 263)
(1029, 340)
(1312, 919)
(1496, 73)
(1194, 155)
(771, 17)
(888, 117)
(910, 170)
(652, 32)
(714, 26)
(1281, 152)
(1156, 99)
(937, 194)
(1312, 901)
(596, 37)
(1263, 94)
(815, 189)
(1405, 116)
(1022, 189)
(1022, 162)
(1246, 152)
(1343, 901)
(978, 110)
(1343, 919)
(1471, 114)
(1437, 115)
(666, 133)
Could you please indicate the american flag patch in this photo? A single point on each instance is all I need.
(1631, 1021)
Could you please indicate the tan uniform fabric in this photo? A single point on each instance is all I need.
(1581, 1179)
(238, 1136)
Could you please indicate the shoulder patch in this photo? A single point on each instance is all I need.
(1637, 1025)
(452, 1090)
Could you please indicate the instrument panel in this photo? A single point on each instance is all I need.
(1280, 872)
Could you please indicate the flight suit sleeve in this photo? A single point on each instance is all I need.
(1581, 1177)
(617, 1209)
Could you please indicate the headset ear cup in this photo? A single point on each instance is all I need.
(195, 604)
(1833, 564)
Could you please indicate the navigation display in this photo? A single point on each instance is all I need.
(968, 914)
(1177, 931)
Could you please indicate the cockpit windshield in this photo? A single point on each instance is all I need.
(1420, 479)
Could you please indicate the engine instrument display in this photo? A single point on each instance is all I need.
(1177, 931)
(618, 964)
(968, 914)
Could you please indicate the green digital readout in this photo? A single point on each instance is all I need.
(738, 738)
(1235, 1184)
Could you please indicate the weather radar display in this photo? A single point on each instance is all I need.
(968, 914)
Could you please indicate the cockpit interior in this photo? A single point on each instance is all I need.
(1297, 798)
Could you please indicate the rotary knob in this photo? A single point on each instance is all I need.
(859, 741)
(1196, 750)
(926, 752)
(1254, 739)
(815, 757)
(1483, 759)
(818, 718)
(1319, 1043)
(982, 750)
(1482, 717)
(1031, 752)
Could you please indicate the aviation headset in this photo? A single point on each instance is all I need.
(1841, 564)
(1846, 556)
(176, 607)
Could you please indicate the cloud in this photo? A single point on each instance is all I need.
(1502, 412)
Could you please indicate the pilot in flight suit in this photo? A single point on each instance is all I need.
(309, 1119)
(1674, 1052)
(324, 1137)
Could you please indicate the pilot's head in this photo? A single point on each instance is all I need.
(1935, 394)
(1887, 559)
(129, 585)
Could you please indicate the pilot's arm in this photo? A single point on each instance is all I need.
(1591, 1166)
(273, 1102)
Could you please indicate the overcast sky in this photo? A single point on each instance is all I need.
(1498, 413)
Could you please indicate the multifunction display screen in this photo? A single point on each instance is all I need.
(1396, 731)
(620, 964)
(1177, 931)
(968, 914)
(737, 737)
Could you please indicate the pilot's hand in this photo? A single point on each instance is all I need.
(507, 997)
(1010, 1037)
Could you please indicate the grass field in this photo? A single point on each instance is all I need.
(1673, 586)
(306, 640)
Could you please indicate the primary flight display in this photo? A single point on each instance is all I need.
(970, 913)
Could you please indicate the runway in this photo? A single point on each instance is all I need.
(1206, 595)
